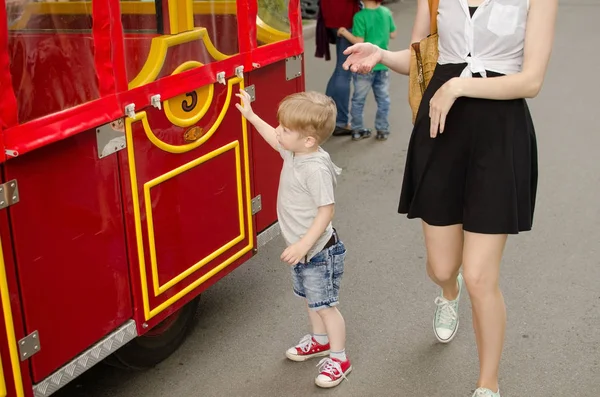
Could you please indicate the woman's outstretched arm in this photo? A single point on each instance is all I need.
(364, 56)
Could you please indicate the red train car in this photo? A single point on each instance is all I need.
(130, 183)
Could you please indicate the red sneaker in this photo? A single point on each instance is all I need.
(307, 349)
(333, 372)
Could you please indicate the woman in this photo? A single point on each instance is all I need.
(471, 168)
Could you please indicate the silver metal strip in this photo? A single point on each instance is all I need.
(86, 360)
(268, 235)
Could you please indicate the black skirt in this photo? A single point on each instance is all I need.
(481, 172)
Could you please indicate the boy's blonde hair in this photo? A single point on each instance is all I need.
(309, 113)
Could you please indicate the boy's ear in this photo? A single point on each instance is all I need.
(310, 142)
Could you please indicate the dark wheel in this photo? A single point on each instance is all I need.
(159, 343)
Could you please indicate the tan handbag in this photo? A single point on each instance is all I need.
(423, 59)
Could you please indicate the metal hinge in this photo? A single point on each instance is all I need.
(9, 194)
(251, 90)
(29, 345)
(293, 67)
(256, 204)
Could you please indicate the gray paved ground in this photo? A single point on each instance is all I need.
(551, 276)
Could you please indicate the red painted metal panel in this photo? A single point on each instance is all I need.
(70, 248)
(182, 240)
(193, 213)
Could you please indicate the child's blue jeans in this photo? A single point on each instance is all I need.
(379, 80)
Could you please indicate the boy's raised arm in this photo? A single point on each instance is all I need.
(264, 129)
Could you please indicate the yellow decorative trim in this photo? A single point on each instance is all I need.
(268, 34)
(193, 119)
(136, 210)
(148, 313)
(158, 53)
(159, 289)
(187, 66)
(191, 146)
(215, 7)
(181, 16)
(10, 334)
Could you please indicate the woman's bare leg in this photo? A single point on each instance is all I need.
(481, 269)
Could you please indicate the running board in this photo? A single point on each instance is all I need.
(268, 234)
(87, 360)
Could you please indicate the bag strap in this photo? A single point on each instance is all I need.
(433, 11)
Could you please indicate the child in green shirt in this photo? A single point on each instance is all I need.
(373, 24)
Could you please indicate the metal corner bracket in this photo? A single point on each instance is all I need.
(9, 193)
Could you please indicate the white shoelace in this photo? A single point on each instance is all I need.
(306, 343)
(328, 366)
(482, 393)
(447, 313)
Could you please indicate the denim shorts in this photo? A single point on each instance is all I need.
(319, 279)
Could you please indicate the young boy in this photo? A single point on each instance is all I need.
(305, 208)
(373, 24)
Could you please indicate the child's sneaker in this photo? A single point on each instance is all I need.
(382, 135)
(307, 349)
(483, 392)
(364, 133)
(333, 372)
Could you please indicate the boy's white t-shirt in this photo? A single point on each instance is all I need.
(306, 183)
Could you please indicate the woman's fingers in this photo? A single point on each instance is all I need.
(442, 122)
(434, 121)
(350, 50)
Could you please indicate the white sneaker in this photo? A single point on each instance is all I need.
(445, 320)
(483, 392)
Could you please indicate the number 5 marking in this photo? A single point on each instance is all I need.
(188, 107)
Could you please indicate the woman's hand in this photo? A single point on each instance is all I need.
(341, 31)
(245, 108)
(362, 57)
(440, 105)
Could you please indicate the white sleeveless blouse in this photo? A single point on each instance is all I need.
(493, 39)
